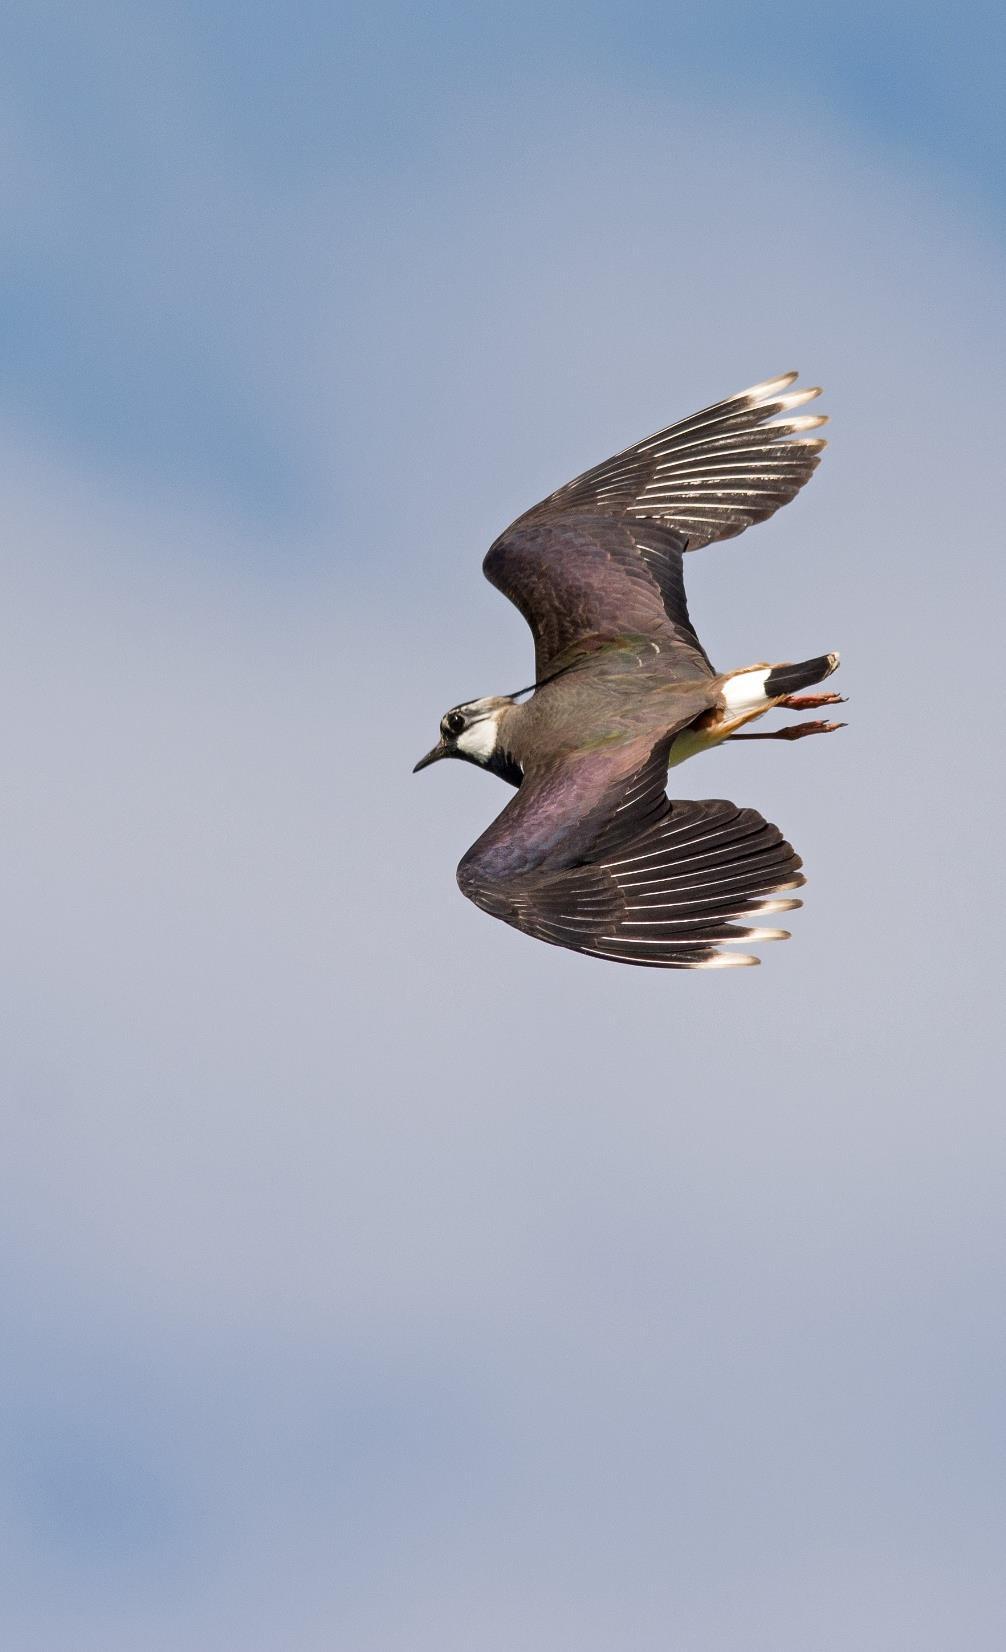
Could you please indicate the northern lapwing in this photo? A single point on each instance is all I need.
(590, 853)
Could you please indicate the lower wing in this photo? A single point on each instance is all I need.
(670, 897)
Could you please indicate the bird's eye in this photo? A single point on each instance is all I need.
(453, 723)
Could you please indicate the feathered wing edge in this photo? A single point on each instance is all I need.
(669, 897)
(683, 887)
(710, 476)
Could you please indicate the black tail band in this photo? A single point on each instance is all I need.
(786, 679)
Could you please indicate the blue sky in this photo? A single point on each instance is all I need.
(374, 1278)
(157, 159)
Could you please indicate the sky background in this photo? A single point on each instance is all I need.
(371, 1277)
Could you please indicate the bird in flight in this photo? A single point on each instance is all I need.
(590, 853)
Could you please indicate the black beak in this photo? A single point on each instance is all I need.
(439, 750)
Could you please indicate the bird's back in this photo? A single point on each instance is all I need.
(622, 693)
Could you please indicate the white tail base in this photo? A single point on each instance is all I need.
(745, 690)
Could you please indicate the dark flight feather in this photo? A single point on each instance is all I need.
(637, 878)
(709, 476)
(601, 558)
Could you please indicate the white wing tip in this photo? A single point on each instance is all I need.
(777, 389)
(797, 398)
(799, 423)
(768, 388)
(727, 960)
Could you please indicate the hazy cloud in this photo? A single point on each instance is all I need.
(376, 1278)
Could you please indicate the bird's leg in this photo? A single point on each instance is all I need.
(797, 732)
(810, 702)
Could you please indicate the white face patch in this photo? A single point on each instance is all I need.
(479, 741)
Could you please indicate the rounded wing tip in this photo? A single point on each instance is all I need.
(798, 398)
(797, 425)
(768, 388)
(797, 881)
(728, 960)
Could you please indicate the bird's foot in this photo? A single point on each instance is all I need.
(810, 702)
(797, 732)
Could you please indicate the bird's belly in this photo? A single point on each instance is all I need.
(691, 741)
(708, 731)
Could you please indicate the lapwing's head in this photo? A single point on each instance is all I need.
(473, 731)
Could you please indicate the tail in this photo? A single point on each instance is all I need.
(754, 690)
(786, 679)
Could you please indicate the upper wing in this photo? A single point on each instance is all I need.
(601, 557)
(641, 880)
(710, 476)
